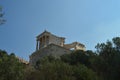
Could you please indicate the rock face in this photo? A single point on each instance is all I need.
(49, 44)
(51, 49)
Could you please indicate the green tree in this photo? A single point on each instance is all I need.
(116, 42)
(10, 67)
(81, 72)
(2, 20)
(109, 55)
(78, 57)
(50, 68)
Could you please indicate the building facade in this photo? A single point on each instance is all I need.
(46, 38)
(50, 44)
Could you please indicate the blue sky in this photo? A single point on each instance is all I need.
(86, 21)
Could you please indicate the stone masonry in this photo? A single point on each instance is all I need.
(49, 44)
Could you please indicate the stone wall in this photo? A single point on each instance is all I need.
(75, 46)
(51, 49)
(56, 40)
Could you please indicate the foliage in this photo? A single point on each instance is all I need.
(56, 69)
(104, 64)
(81, 65)
(81, 72)
(2, 20)
(109, 57)
(10, 67)
(75, 58)
(52, 69)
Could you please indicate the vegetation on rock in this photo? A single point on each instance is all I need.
(79, 65)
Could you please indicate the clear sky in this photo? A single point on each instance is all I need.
(85, 21)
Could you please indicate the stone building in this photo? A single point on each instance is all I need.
(50, 44)
(51, 49)
(75, 46)
(47, 38)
